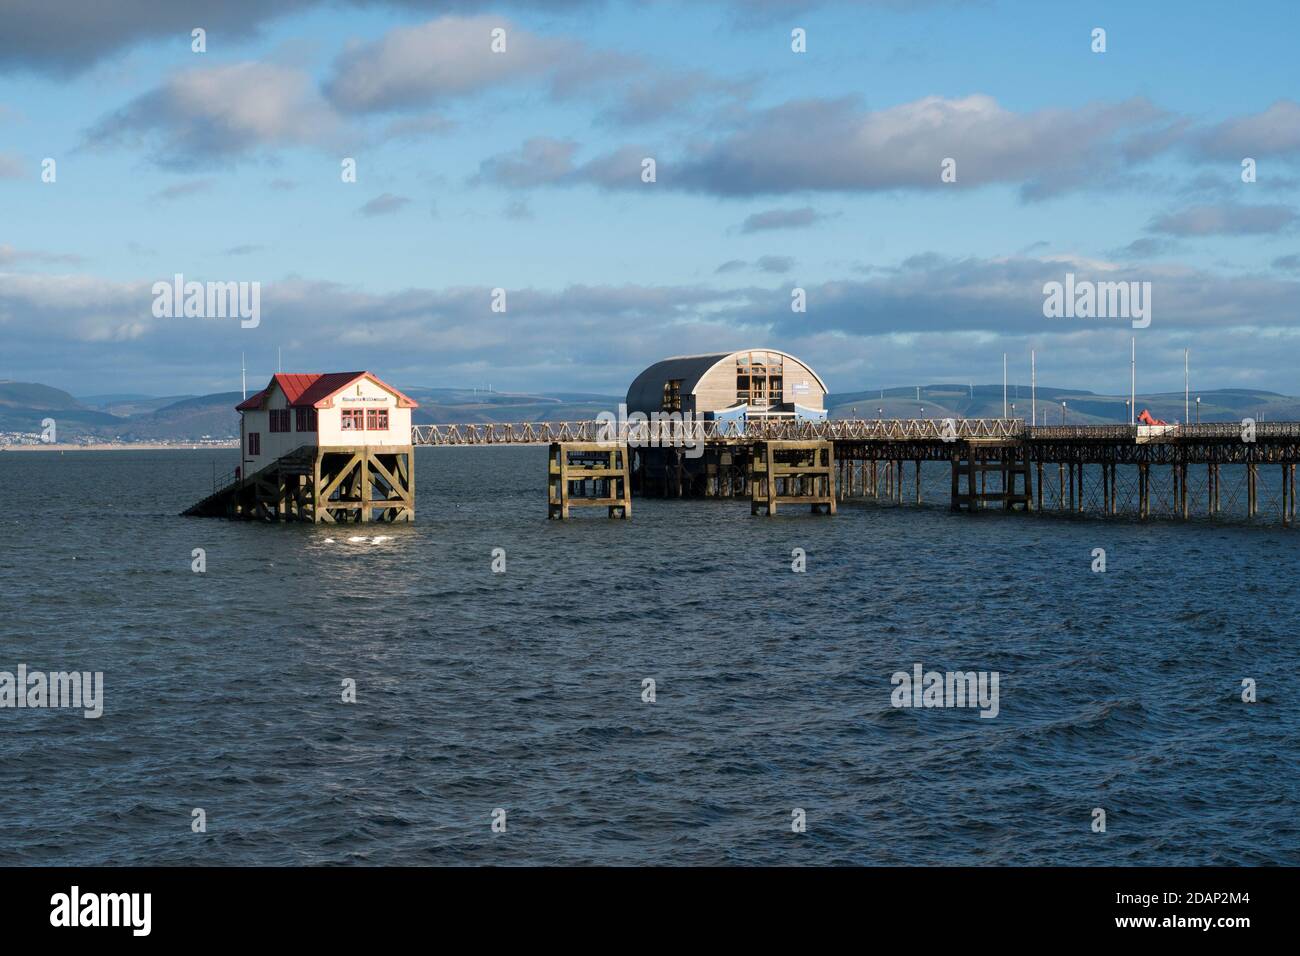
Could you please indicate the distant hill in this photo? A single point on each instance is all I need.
(450, 405)
(1081, 407)
(136, 417)
(24, 405)
(207, 416)
(125, 406)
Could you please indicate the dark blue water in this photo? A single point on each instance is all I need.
(522, 690)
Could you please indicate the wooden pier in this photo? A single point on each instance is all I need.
(1172, 472)
(1175, 472)
(792, 473)
(588, 474)
(321, 485)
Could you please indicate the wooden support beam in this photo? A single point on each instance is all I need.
(793, 472)
(592, 466)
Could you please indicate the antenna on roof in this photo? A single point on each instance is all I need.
(278, 367)
(243, 376)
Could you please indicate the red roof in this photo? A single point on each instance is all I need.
(316, 389)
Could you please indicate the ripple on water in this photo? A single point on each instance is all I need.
(523, 691)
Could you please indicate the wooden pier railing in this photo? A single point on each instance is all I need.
(664, 432)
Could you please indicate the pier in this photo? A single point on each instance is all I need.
(1168, 471)
(320, 485)
(340, 447)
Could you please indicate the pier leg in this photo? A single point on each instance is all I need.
(1291, 481)
(1286, 517)
(771, 480)
(365, 486)
(918, 481)
(970, 482)
(1029, 491)
(1040, 486)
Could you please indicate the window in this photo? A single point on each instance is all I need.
(672, 395)
(254, 443)
(377, 419)
(279, 419)
(306, 419)
(354, 420)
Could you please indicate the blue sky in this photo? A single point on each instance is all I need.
(521, 170)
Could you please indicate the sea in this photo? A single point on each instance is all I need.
(485, 686)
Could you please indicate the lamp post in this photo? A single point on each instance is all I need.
(1062, 413)
(1133, 379)
(1033, 386)
(1198, 409)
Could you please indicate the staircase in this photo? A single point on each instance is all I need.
(229, 490)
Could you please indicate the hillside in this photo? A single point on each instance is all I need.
(1082, 407)
(135, 417)
(24, 405)
(450, 405)
(208, 416)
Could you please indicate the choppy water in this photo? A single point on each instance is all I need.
(522, 690)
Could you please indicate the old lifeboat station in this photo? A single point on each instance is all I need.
(324, 448)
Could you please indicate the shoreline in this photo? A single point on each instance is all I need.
(134, 446)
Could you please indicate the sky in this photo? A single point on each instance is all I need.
(779, 175)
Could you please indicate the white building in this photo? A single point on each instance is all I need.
(751, 383)
(325, 410)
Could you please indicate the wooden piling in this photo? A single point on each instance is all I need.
(594, 466)
(793, 472)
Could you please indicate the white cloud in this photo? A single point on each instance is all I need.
(206, 115)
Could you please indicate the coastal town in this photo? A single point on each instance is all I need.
(33, 441)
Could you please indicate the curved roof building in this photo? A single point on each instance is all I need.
(745, 384)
